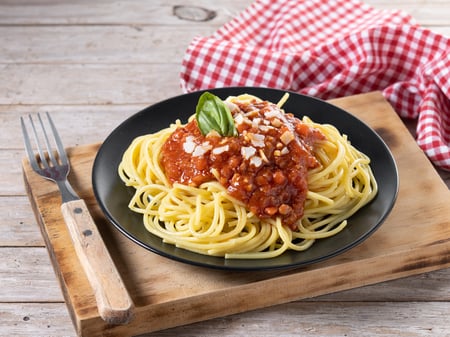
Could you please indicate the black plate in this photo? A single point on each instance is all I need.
(113, 197)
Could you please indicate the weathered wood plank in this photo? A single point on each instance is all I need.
(328, 319)
(27, 276)
(96, 44)
(426, 13)
(134, 12)
(434, 286)
(35, 319)
(88, 83)
(77, 124)
(386, 319)
(18, 224)
(11, 177)
(150, 12)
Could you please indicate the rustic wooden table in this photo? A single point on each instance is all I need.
(92, 64)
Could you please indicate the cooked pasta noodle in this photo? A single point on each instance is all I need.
(207, 220)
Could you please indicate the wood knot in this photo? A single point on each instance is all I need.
(193, 13)
(87, 232)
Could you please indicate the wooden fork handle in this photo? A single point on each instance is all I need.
(113, 301)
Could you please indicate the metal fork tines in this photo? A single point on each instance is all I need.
(51, 164)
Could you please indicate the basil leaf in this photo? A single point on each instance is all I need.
(213, 114)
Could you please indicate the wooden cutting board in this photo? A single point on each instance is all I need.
(414, 239)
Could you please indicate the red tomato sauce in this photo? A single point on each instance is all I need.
(265, 167)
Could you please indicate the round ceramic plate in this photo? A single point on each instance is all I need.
(113, 197)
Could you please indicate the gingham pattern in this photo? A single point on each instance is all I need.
(332, 49)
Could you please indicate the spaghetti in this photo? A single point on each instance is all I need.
(204, 213)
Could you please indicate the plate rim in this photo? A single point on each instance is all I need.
(228, 264)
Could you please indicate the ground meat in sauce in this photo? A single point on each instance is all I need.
(265, 167)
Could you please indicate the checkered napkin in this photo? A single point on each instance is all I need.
(331, 49)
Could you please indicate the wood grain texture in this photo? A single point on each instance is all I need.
(388, 319)
(160, 12)
(112, 299)
(80, 60)
(104, 12)
(181, 293)
(76, 83)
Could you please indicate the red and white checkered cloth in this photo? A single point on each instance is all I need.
(330, 49)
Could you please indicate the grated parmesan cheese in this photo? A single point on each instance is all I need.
(220, 149)
(247, 151)
(256, 139)
(189, 145)
(287, 137)
(239, 118)
(256, 161)
(272, 113)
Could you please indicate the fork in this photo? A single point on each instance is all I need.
(113, 301)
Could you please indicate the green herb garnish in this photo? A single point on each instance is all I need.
(213, 114)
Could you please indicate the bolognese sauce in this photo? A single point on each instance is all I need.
(265, 166)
